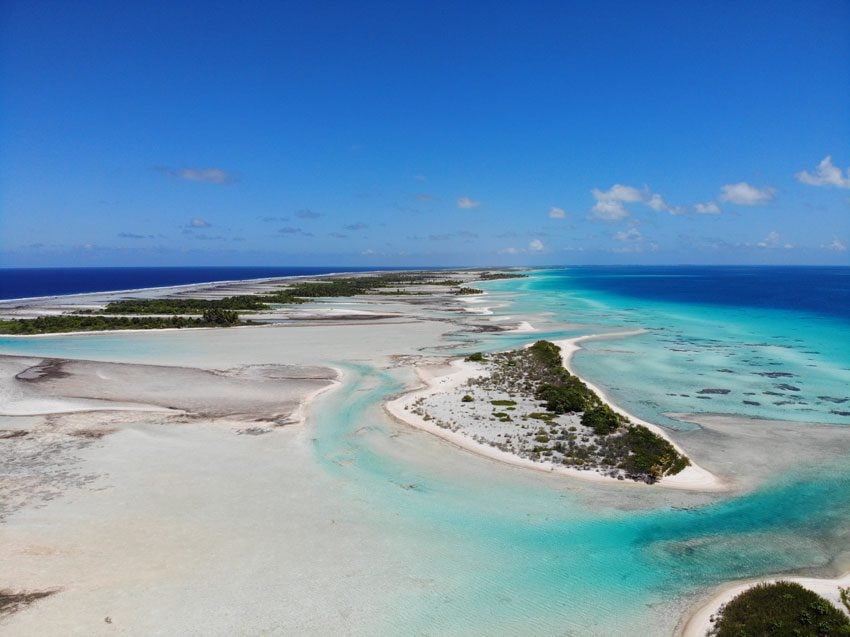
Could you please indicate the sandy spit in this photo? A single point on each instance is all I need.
(460, 372)
(692, 477)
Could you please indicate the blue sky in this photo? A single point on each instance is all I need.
(424, 133)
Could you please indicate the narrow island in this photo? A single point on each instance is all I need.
(524, 403)
(178, 311)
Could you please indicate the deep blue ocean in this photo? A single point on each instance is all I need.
(817, 289)
(18, 283)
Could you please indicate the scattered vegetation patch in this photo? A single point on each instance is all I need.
(580, 430)
(781, 609)
(475, 357)
(493, 276)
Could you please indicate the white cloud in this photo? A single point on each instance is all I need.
(609, 210)
(827, 174)
(632, 234)
(556, 213)
(610, 206)
(536, 245)
(466, 202)
(206, 175)
(836, 245)
(772, 240)
(618, 192)
(708, 208)
(744, 194)
(197, 222)
(510, 250)
(657, 203)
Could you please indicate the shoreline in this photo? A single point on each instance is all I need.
(691, 477)
(698, 623)
(203, 284)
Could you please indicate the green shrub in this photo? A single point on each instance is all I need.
(781, 609)
(467, 399)
(602, 419)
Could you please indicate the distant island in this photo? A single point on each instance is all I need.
(176, 312)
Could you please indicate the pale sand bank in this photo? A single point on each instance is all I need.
(522, 327)
(699, 623)
(268, 394)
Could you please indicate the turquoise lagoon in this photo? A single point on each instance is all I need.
(496, 550)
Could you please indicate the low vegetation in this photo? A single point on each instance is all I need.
(78, 323)
(185, 306)
(543, 413)
(781, 609)
(494, 276)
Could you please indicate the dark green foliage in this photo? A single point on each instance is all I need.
(464, 291)
(547, 354)
(217, 316)
(569, 397)
(602, 419)
(184, 306)
(77, 323)
(781, 609)
(651, 455)
(503, 403)
(476, 357)
(493, 276)
(352, 286)
(467, 399)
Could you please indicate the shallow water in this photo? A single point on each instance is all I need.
(707, 357)
(491, 549)
(530, 556)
